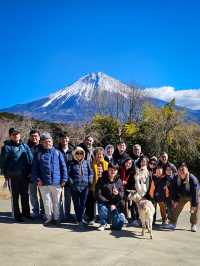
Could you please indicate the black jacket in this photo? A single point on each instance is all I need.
(104, 190)
(67, 155)
(191, 189)
(119, 158)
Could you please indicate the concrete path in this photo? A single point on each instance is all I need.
(32, 244)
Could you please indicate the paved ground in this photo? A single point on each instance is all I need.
(32, 244)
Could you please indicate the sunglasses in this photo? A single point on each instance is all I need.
(152, 163)
(79, 153)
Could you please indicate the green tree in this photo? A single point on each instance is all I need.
(105, 129)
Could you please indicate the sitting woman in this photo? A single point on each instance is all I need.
(109, 195)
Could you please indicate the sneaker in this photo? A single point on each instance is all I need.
(19, 219)
(47, 222)
(135, 223)
(102, 227)
(35, 215)
(85, 221)
(170, 226)
(70, 219)
(91, 222)
(82, 225)
(28, 217)
(55, 222)
(194, 228)
(164, 223)
(125, 220)
(43, 216)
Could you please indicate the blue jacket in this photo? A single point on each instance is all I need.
(80, 174)
(49, 167)
(15, 159)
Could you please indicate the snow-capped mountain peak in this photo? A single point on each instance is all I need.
(86, 87)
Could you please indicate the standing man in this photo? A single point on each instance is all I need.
(120, 153)
(66, 149)
(136, 153)
(15, 162)
(87, 145)
(50, 172)
(164, 163)
(38, 206)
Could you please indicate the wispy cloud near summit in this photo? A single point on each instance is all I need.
(187, 98)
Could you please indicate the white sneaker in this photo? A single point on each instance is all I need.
(194, 228)
(102, 227)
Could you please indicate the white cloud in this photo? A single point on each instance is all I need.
(187, 98)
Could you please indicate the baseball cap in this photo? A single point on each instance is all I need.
(13, 130)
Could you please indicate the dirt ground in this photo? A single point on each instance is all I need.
(32, 244)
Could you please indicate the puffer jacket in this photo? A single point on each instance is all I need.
(15, 159)
(49, 167)
(80, 174)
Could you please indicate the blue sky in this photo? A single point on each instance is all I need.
(46, 45)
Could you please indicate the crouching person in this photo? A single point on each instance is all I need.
(81, 177)
(50, 172)
(109, 195)
(185, 188)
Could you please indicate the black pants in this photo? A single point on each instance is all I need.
(90, 206)
(79, 199)
(19, 187)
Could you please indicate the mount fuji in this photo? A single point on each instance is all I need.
(91, 94)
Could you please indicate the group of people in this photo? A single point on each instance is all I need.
(98, 180)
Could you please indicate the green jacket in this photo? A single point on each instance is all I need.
(15, 159)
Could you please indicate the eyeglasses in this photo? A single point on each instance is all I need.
(79, 153)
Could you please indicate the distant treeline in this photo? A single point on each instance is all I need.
(157, 130)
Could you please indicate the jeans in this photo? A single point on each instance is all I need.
(105, 214)
(51, 199)
(38, 208)
(65, 203)
(79, 199)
